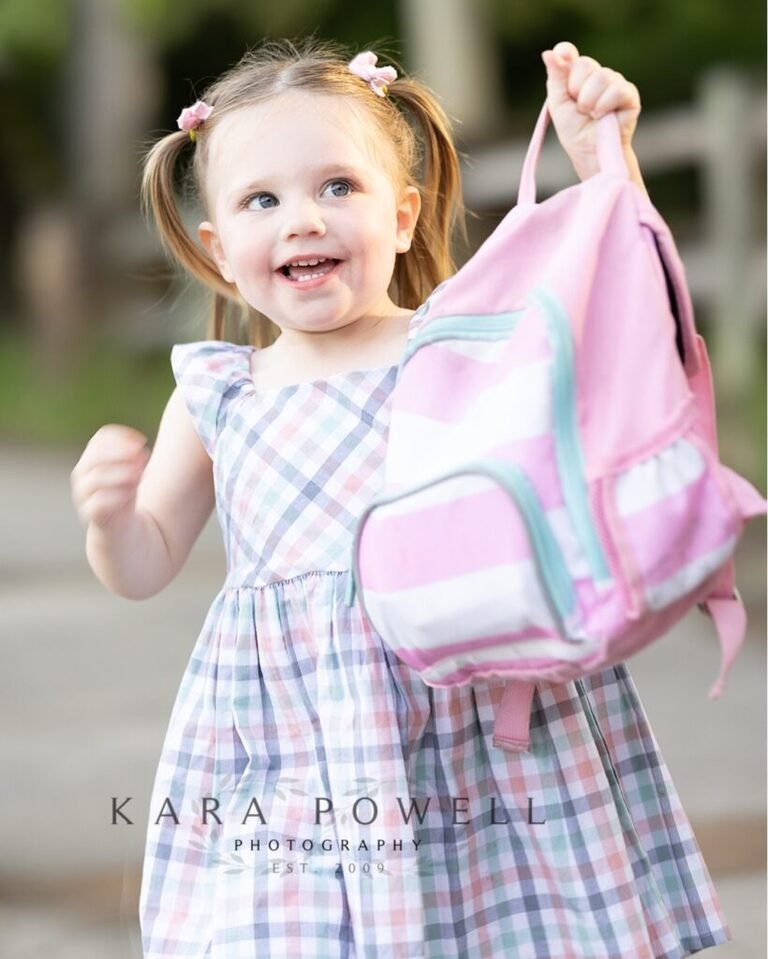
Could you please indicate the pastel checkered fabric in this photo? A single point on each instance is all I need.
(315, 798)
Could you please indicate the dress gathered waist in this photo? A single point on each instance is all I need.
(240, 579)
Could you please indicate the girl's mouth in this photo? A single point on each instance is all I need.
(305, 270)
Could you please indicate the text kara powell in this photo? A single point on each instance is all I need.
(364, 810)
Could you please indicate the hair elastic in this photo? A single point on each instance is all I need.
(190, 118)
(364, 66)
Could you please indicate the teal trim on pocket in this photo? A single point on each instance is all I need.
(553, 570)
(556, 581)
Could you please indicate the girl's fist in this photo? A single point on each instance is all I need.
(579, 92)
(107, 475)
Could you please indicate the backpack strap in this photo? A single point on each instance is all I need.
(723, 603)
(610, 156)
(730, 619)
(513, 717)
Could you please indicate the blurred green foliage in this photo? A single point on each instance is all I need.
(112, 385)
(37, 30)
(660, 45)
(171, 21)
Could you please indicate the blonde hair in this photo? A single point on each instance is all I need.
(408, 117)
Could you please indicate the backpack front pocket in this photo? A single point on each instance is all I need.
(462, 576)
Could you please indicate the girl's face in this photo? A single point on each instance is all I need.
(305, 219)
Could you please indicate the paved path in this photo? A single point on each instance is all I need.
(88, 682)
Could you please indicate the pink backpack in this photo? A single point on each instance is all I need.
(553, 500)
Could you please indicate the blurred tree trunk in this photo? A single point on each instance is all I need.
(450, 45)
(67, 259)
(49, 270)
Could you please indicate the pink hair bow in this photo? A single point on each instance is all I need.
(190, 118)
(364, 66)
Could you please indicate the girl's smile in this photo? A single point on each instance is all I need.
(308, 270)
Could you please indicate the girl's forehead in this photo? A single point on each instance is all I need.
(299, 124)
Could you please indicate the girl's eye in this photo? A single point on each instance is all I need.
(261, 201)
(339, 188)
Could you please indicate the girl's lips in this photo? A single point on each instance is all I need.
(314, 282)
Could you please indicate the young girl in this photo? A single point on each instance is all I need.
(314, 797)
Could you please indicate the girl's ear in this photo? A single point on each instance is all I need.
(408, 210)
(212, 246)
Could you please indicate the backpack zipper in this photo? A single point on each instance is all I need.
(570, 462)
(463, 327)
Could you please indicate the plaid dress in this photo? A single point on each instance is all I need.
(314, 798)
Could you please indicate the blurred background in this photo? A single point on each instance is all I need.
(89, 308)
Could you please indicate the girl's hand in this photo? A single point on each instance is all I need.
(107, 475)
(579, 92)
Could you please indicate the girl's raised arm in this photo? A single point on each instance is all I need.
(143, 513)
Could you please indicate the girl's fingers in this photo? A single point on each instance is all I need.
(581, 69)
(604, 90)
(110, 474)
(580, 91)
(594, 87)
(104, 500)
(104, 504)
(85, 479)
(103, 482)
(111, 443)
(566, 50)
(621, 95)
(107, 475)
(108, 454)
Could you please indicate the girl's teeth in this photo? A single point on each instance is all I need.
(300, 271)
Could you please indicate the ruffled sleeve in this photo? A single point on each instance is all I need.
(209, 374)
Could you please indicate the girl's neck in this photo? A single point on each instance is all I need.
(297, 356)
(365, 337)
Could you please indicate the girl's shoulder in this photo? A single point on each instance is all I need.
(209, 373)
(203, 351)
(210, 362)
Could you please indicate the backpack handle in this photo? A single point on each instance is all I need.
(610, 156)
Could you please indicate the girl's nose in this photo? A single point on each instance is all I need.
(302, 218)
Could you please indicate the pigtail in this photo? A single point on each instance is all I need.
(158, 195)
(234, 320)
(430, 259)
